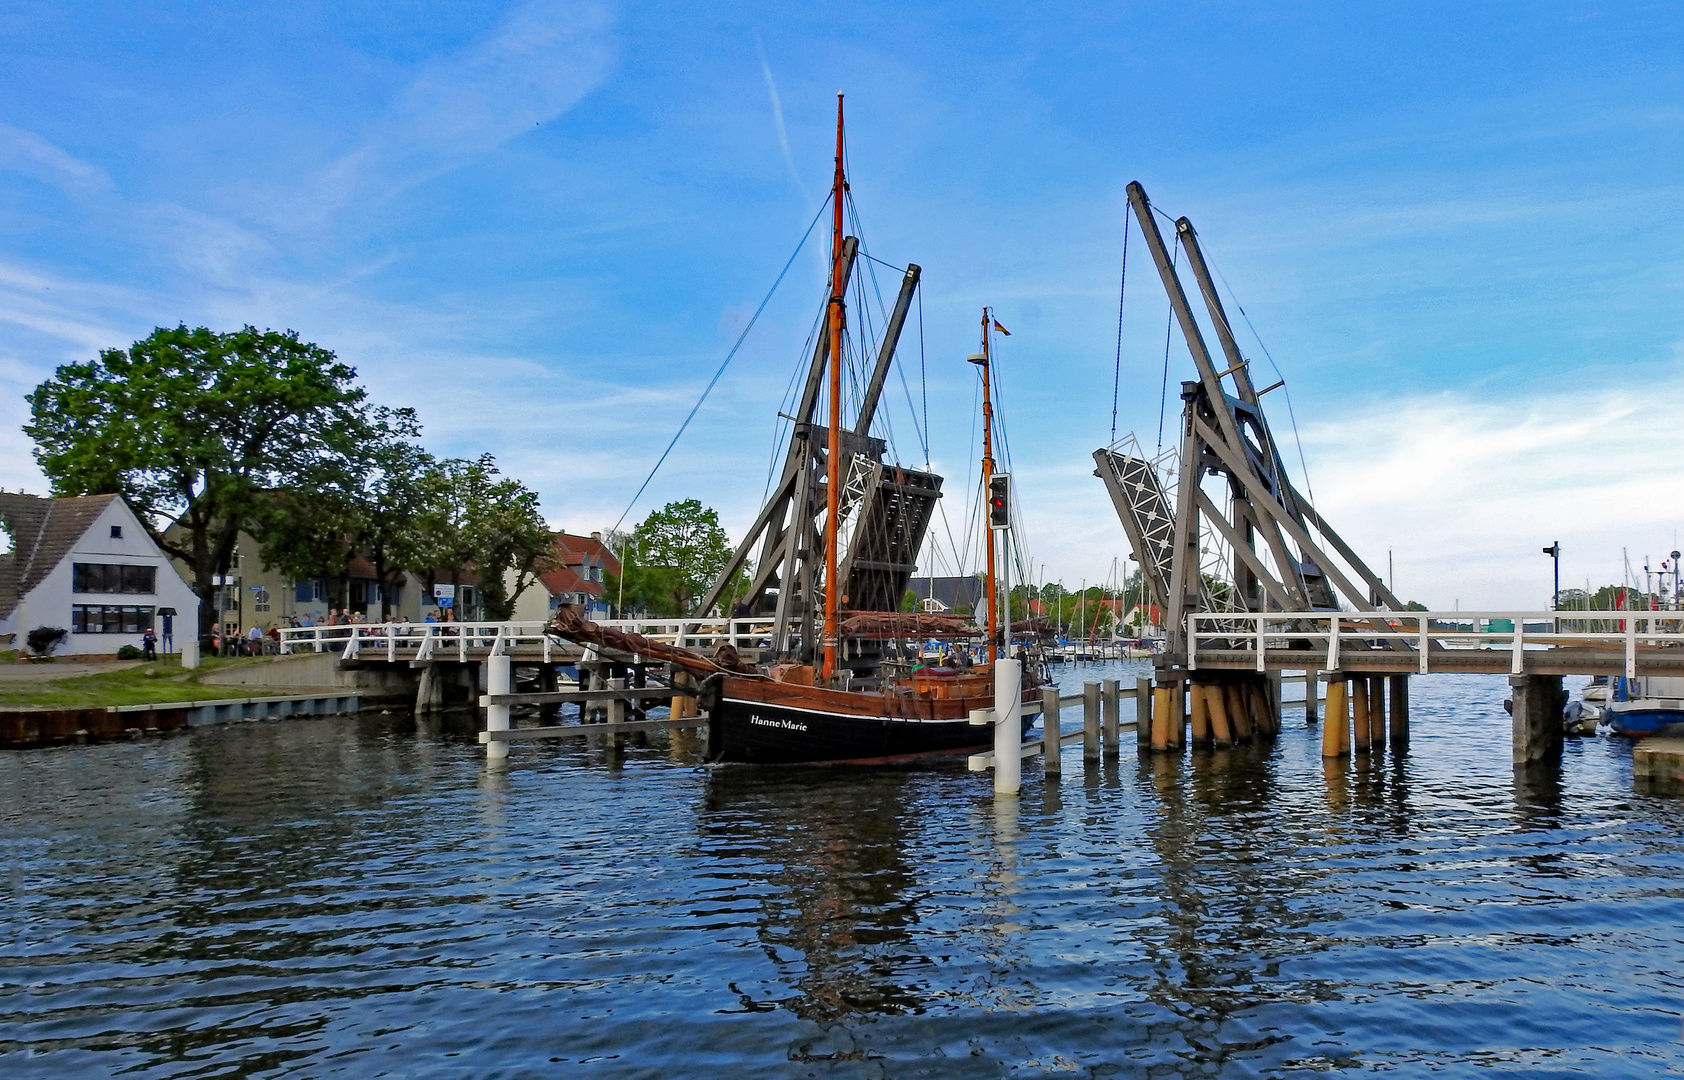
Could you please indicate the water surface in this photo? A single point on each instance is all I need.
(364, 897)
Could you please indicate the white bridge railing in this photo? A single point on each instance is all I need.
(1258, 632)
(460, 640)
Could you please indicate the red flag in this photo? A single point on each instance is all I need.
(1001, 330)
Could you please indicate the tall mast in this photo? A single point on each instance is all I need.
(987, 473)
(833, 455)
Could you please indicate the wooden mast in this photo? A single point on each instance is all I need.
(833, 446)
(987, 474)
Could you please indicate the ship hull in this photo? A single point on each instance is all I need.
(759, 723)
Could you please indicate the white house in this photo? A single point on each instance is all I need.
(87, 564)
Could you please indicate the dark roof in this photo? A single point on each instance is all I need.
(952, 591)
(43, 530)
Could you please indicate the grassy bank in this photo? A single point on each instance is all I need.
(144, 684)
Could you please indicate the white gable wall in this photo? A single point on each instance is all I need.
(50, 602)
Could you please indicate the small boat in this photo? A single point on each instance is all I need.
(1650, 705)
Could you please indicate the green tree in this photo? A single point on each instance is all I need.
(368, 506)
(672, 557)
(202, 427)
(473, 518)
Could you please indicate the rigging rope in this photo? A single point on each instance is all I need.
(1122, 294)
(1169, 328)
(923, 380)
(1309, 489)
(723, 365)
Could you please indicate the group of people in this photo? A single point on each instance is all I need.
(334, 617)
(256, 641)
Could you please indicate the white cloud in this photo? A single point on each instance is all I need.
(28, 153)
(1468, 492)
(534, 65)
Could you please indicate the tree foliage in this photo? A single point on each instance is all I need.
(671, 558)
(203, 427)
(472, 516)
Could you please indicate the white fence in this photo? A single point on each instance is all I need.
(460, 640)
(1414, 630)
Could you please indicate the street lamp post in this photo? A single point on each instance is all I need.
(1554, 552)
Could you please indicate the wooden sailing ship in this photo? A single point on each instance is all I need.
(843, 677)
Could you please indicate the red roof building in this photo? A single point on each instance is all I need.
(576, 578)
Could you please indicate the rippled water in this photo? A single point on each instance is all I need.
(362, 897)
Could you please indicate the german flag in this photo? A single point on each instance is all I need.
(1002, 331)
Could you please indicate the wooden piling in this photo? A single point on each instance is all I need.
(1272, 684)
(1201, 714)
(1536, 704)
(1239, 713)
(1111, 700)
(1400, 712)
(1334, 732)
(1090, 721)
(1377, 712)
(1312, 690)
(1178, 713)
(1258, 708)
(1160, 716)
(1052, 759)
(1143, 713)
(1221, 731)
(1362, 738)
(682, 704)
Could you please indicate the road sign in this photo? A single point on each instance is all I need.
(443, 591)
(447, 601)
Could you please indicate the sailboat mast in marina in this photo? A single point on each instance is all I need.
(833, 439)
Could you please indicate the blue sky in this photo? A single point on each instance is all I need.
(1456, 229)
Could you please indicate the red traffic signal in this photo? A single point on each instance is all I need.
(999, 501)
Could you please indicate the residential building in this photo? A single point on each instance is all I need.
(576, 578)
(87, 565)
(251, 594)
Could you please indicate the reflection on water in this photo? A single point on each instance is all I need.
(365, 897)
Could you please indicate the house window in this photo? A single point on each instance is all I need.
(116, 532)
(113, 578)
(310, 590)
(260, 599)
(109, 619)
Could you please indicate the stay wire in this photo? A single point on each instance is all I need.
(722, 366)
(1122, 294)
(1309, 489)
(1169, 329)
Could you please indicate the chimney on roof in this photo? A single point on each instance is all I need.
(597, 537)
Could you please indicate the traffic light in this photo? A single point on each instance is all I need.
(999, 501)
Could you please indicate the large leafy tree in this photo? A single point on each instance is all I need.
(473, 517)
(202, 427)
(366, 505)
(672, 557)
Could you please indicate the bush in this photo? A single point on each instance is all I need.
(44, 639)
(129, 652)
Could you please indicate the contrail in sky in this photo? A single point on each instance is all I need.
(778, 117)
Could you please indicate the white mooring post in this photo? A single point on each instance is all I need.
(497, 678)
(1008, 727)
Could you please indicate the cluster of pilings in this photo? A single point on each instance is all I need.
(1218, 709)
(1357, 718)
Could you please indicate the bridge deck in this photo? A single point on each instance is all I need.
(1558, 661)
